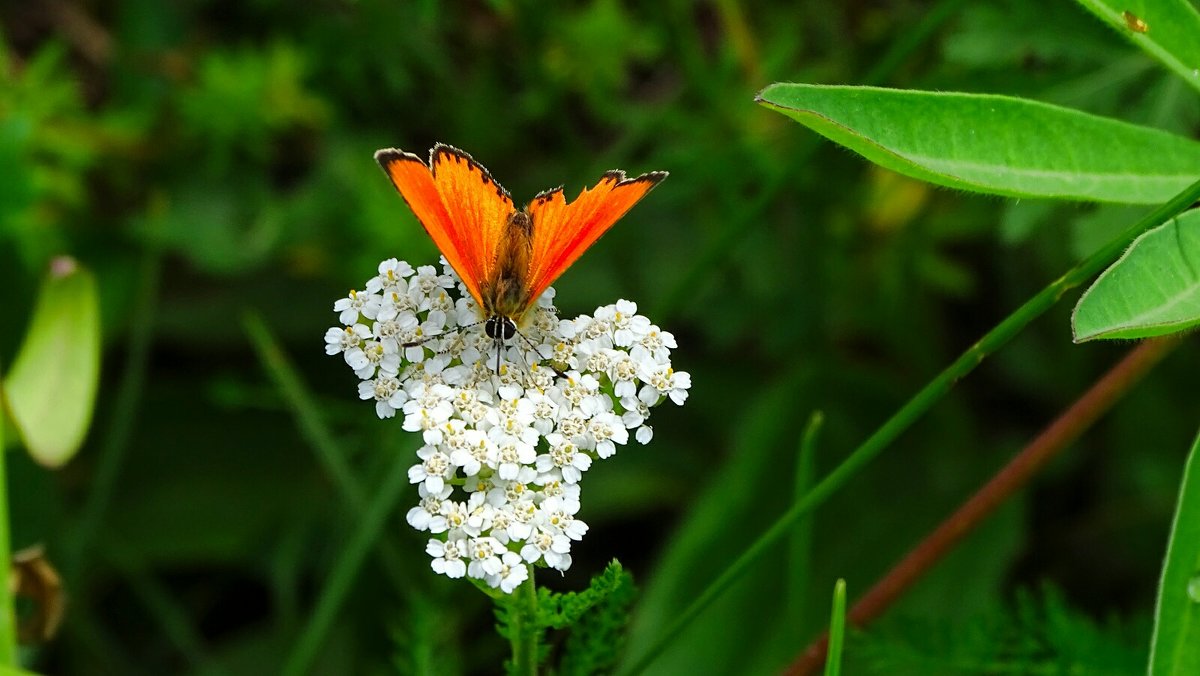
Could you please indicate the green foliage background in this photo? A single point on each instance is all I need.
(210, 157)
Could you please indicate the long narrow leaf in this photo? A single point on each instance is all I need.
(837, 630)
(995, 144)
(1175, 646)
(800, 545)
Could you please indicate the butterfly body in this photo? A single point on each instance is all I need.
(505, 256)
(504, 294)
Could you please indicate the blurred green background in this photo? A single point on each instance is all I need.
(209, 157)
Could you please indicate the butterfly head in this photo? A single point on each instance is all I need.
(500, 329)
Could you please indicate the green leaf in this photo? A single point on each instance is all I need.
(51, 388)
(1152, 290)
(995, 144)
(1175, 645)
(1168, 30)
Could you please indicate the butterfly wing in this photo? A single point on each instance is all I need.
(457, 202)
(562, 231)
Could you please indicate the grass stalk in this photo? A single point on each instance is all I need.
(916, 407)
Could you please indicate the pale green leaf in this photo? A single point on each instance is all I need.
(996, 144)
(51, 388)
(1168, 30)
(1152, 290)
(1175, 645)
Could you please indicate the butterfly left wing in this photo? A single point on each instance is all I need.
(562, 231)
(457, 202)
(478, 205)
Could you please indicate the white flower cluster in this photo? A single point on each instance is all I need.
(507, 433)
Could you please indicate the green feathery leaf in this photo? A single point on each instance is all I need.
(559, 611)
(598, 637)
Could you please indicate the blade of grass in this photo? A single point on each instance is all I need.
(313, 428)
(1065, 429)
(300, 401)
(741, 39)
(88, 637)
(123, 415)
(166, 612)
(800, 547)
(733, 232)
(909, 41)
(915, 408)
(837, 630)
(347, 567)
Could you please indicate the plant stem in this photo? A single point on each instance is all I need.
(347, 566)
(314, 429)
(8, 618)
(1058, 435)
(915, 408)
(115, 444)
(525, 632)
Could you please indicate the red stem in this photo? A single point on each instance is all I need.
(1064, 430)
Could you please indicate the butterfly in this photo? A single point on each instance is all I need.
(506, 256)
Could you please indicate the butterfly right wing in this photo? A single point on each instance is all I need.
(458, 203)
(563, 230)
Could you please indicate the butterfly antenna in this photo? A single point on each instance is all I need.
(426, 339)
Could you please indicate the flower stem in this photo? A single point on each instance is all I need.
(917, 406)
(525, 633)
(1012, 477)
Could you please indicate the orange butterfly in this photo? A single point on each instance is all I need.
(505, 256)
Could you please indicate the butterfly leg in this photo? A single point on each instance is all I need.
(541, 357)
